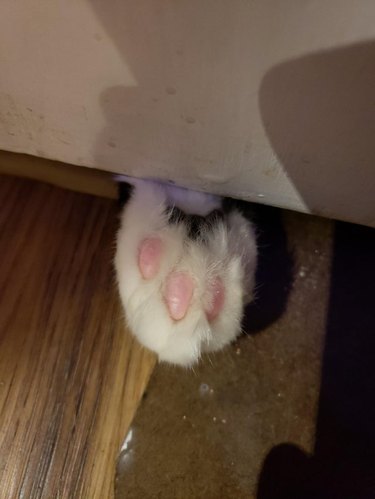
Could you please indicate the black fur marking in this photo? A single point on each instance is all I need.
(125, 190)
(197, 224)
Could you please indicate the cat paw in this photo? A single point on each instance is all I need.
(178, 289)
(182, 295)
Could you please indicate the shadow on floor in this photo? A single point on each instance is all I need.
(343, 464)
(274, 270)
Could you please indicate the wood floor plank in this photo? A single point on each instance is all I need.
(71, 376)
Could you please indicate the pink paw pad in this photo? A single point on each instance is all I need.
(217, 298)
(149, 256)
(179, 289)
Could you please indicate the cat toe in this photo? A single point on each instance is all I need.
(149, 256)
(216, 295)
(178, 293)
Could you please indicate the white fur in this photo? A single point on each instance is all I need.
(230, 254)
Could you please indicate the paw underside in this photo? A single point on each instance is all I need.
(179, 286)
(181, 275)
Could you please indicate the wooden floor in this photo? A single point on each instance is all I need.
(70, 374)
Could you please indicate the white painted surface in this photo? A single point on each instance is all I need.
(265, 100)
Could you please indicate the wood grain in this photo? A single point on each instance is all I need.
(71, 376)
(76, 178)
